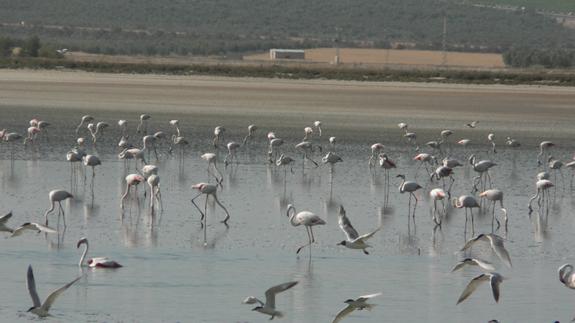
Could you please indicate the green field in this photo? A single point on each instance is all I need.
(553, 5)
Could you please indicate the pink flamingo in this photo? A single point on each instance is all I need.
(208, 189)
(131, 180)
(57, 196)
(437, 194)
(99, 262)
(306, 218)
(376, 149)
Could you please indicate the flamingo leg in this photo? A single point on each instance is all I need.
(307, 229)
(225, 221)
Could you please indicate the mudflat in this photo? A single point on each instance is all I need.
(346, 104)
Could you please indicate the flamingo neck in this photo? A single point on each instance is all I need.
(291, 215)
(83, 254)
(401, 188)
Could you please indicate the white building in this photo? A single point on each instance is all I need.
(287, 54)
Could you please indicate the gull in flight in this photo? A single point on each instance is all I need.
(496, 243)
(33, 227)
(494, 280)
(472, 124)
(354, 240)
(358, 304)
(3, 220)
(473, 262)
(42, 309)
(269, 307)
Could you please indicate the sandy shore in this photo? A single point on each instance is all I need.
(353, 105)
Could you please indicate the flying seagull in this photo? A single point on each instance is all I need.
(33, 227)
(269, 307)
(496, 243)
(354, 240)
(3, 220)
(474, 262)
(494, 280)
(42, 309)
(358, 304)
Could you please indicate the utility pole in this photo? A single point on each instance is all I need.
(444, 43)
(336, 43)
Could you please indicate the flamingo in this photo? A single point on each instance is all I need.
(437, 194)
(92, 161)
(74, 156)
(149, 143)
(556, 166)
(251, 129)
(567, 277)
(376, 149)
(495, 195)
(306, 218)
(403, 126)
(571, 166)
(232, 153)
(482, 167)
(143, 125)
(491, 139)
(97, 130)
(386, 164)
(468, 202)
(133, 153)
(43, 126)
(154, 183)
(31, 135)
(441, 173)
(284, 161)
(123, 124)
(10, 138)
(181, 143)
(57, 196)
(317, 125)
(99, 262)
(218, 135)
(332, 141)
(176, 124)
(542, 186)
(212, 160)
(131, 180)
(451, 162)
(85, 120)
(308, 131)
(424, 159)
(410, 187)
(208, 189)
(544, 147)
(306, 148)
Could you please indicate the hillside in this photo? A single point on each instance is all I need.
(225, 26)
(547, 5)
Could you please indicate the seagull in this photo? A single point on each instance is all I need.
(473, 124)
(42, 309)
(354, 240)
(32, 226)
(269, 307)
(494, 279)
(352, 305)
(3, 220)
(496, 243)
(473, 262)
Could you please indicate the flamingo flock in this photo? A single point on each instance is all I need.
(438, 183)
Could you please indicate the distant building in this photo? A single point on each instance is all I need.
(287, 54)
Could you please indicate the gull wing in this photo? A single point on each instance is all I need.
(5, 218)
(368, 235)
(271, 293)
(458, 266)
(484, 264)
(366, 297)
(470, 242)
(43, 228)
(495, 280)
(343, 313)
(31, 284)
(346, 226)
(52, 297)
(472, 286)
(497, 246)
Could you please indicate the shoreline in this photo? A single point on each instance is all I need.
(352, 105)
